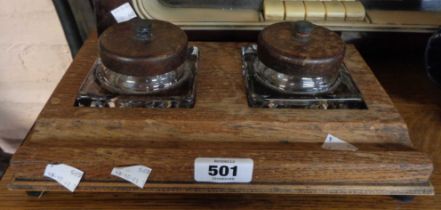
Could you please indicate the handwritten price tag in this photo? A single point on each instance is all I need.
(334, 143)
(67, 176)
(136, 175)
(124, 13)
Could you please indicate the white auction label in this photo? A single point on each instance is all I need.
(124, 13)
(334, 143)
(136, 175)
(67, 176)
(223, 170)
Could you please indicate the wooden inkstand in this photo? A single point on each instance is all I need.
(233, 115)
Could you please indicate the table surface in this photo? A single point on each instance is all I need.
(417, 99)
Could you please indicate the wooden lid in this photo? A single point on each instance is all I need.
(300, 47)
(143, 47)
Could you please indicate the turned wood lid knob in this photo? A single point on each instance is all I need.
(143, 48)
(303, 29)
(143, 30)
(301, 49)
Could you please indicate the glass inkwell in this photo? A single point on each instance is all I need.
(142, 63)
(299, 65)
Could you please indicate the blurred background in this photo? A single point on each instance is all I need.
(34, 55)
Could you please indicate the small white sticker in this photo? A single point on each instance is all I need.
(136, 175)
(223, 170)
(67, 176)
(124, 13)
(334, 143)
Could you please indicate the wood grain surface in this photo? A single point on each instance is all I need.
(221, 110)
(285, 144)
(418, 103)
(57, 201)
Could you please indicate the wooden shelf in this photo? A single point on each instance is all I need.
(377, 20)
(216, 19)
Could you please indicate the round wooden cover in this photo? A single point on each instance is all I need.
(298, 48)
(143, 47)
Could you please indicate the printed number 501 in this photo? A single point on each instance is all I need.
(214, 170)
(223, 170)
